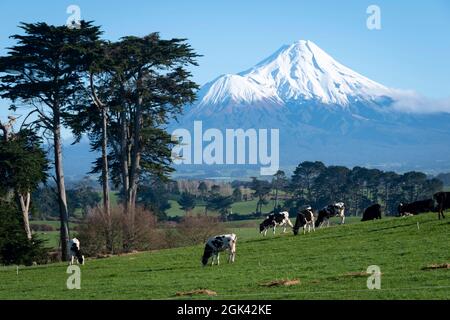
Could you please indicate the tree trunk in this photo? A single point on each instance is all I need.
(25, 206)
(135, 154)
(124, 157)
(105, 177)
(63, 212)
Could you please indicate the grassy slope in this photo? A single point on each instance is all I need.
(320, 260)
(242, 207)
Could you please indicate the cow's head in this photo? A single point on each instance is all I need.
(300, 222)
(261, 227)
(206, 255)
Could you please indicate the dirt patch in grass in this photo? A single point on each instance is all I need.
(196, 292)
(437, 266)
(355, 274)
(346, 275)
(282, 282)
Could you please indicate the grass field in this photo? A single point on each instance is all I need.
(242, 207)
(329, 263)
(51, 237)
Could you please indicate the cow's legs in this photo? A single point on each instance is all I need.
(342, 219)
(231, 257)
(71, 260)
(274, 227)
(218, 258)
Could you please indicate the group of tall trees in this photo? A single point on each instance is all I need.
(315, 184)
(121, 94)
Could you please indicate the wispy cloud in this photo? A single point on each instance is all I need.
(412, 102)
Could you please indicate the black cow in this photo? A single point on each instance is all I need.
(371, 213)
(442, 200)
(415, 207)
(305, 219)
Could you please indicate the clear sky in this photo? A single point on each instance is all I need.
(411, 51)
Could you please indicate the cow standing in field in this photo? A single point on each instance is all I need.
(305, 219)
(442, 200)
(371, 213)
(275, 219)
(413, 208)
(217, 244)
(333, 210)
(75, 251)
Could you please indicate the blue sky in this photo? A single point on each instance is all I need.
(411, 51)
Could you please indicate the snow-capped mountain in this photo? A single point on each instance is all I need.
(301, 71)
(324, 111)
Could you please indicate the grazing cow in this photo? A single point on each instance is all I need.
(75, 251)
(413, 208)
(305, 219)
(371, 213)
(442, 200)
(336, 209)
(217, 244)
(275, 219)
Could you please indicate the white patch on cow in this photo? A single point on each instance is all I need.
(310, 220)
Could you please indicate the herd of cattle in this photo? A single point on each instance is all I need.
(306, 219)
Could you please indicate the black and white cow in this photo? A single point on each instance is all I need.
(75, 252)
(371, 213)
(416, 207)
(336, 209)
(305, 219)
(217, 244)
(275, 219)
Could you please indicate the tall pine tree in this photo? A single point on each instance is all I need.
(42, 71)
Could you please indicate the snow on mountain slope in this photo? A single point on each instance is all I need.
(238, 89)
(301, 71)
